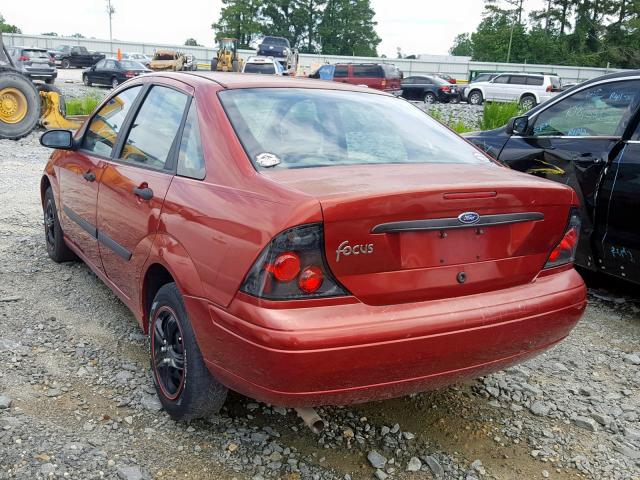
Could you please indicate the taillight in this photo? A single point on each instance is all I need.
(24, 58)
(293, 267)
(549, 88)
(565, 251)
(384, 82)
(445, 89)
(129, 74)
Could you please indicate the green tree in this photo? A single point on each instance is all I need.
(239, 19)
(348, 28)
(284, 18)
(77, 35)
(7, 27)
(462, 45)
(191, 42)
(50, 34)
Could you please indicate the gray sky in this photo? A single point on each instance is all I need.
(417, 26)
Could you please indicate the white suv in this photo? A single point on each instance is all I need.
(263, 65)
(528, 89)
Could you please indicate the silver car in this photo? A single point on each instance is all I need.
(35, 63)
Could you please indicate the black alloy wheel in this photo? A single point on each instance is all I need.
(167, 346)
(50, 225)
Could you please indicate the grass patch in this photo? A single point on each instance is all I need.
(497, 114)
(456, 125)
(82, 106)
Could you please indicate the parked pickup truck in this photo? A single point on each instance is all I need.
(75, 56)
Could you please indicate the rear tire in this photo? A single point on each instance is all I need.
(430, 98)
(53, 88)
(65, 64)
(86, 81)
(527, 102)
(49, 81)
(234, 66)
(475, 97)
(19, 94)
(57, 249)
(214, 65)
(186, 388)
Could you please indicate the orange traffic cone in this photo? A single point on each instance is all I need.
(119, 55)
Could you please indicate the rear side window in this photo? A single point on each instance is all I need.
(518, 80)
(367, 71)
(154, 129)
(191, 157)
(537, 81)
(555, 82)
(101, 134)
(602, 110)
(341, 71)
(301, 128)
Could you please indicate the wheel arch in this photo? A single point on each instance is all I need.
(168, 262)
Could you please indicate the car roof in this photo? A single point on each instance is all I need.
(228, 81)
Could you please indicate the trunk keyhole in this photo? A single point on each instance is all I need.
(462, 277)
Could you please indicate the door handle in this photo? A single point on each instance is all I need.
(144, 193)
(89, 176)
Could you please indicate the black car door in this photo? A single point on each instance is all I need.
(619, 248)
(409, 88)
(96, 73)
(573, 141)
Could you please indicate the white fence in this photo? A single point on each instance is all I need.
(458, 67)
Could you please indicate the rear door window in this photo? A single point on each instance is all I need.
(191, 156)
(100, 136)
(518, 80)
(602, 110)
(154, 129)
(367, 71)
(537, 81)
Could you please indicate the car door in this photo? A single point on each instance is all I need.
(108, 72)
(494, 90)
(410, 87)
(572, 141)
(341, 74)
(96, 73)
(513, 89)
(619, 231)
(136, 181)
(81, 171)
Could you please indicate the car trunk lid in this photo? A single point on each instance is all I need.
(393, 232)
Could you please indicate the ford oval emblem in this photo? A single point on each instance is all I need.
(468, 217)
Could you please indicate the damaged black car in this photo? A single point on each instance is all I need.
(587, 137)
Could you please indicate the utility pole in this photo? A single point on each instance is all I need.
(110, 11)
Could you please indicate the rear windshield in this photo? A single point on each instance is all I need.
(281, 42)
(264, 68)
(300, 128)
(164, 56)
(35, 54)
(131, 65)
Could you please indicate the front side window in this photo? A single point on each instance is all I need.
(602, 110)
(154, 129)
(191, 156)
(101, 134)
(501, 79)
(101, 64)
(299, 128)
(341, 71)
(111, 65)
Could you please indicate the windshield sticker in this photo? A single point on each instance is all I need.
(267, 160)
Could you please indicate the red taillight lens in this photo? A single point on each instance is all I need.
(293, 267)
(565, 251)
(549, 88)
(286, 267)
(445, 89)
(310, 279)
(384, 83)
(129, 74)
(24, 58)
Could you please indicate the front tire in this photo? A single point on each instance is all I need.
(86, 81)
(65, 64)
(186, 388)
(475, 97)
(214, 65)
(114, 82)
(57, 249)
(19, 104)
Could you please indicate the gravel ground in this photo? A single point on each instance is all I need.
(77, 400)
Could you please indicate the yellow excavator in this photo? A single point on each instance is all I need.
(227, 59)
(23, 104)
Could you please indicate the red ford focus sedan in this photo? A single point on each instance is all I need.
(308, 243)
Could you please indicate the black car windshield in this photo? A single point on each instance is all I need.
(298, 128)
(131, 65)
(280, 42)
(264, 68)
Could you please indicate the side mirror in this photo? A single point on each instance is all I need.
(61, 139)
(517, 125)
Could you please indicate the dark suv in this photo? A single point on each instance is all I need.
(277, 47)
(381, 76)
(35, 63)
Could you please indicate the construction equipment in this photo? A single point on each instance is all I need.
(227, 59)
(19, 100)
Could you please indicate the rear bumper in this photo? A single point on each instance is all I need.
(350, 353)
